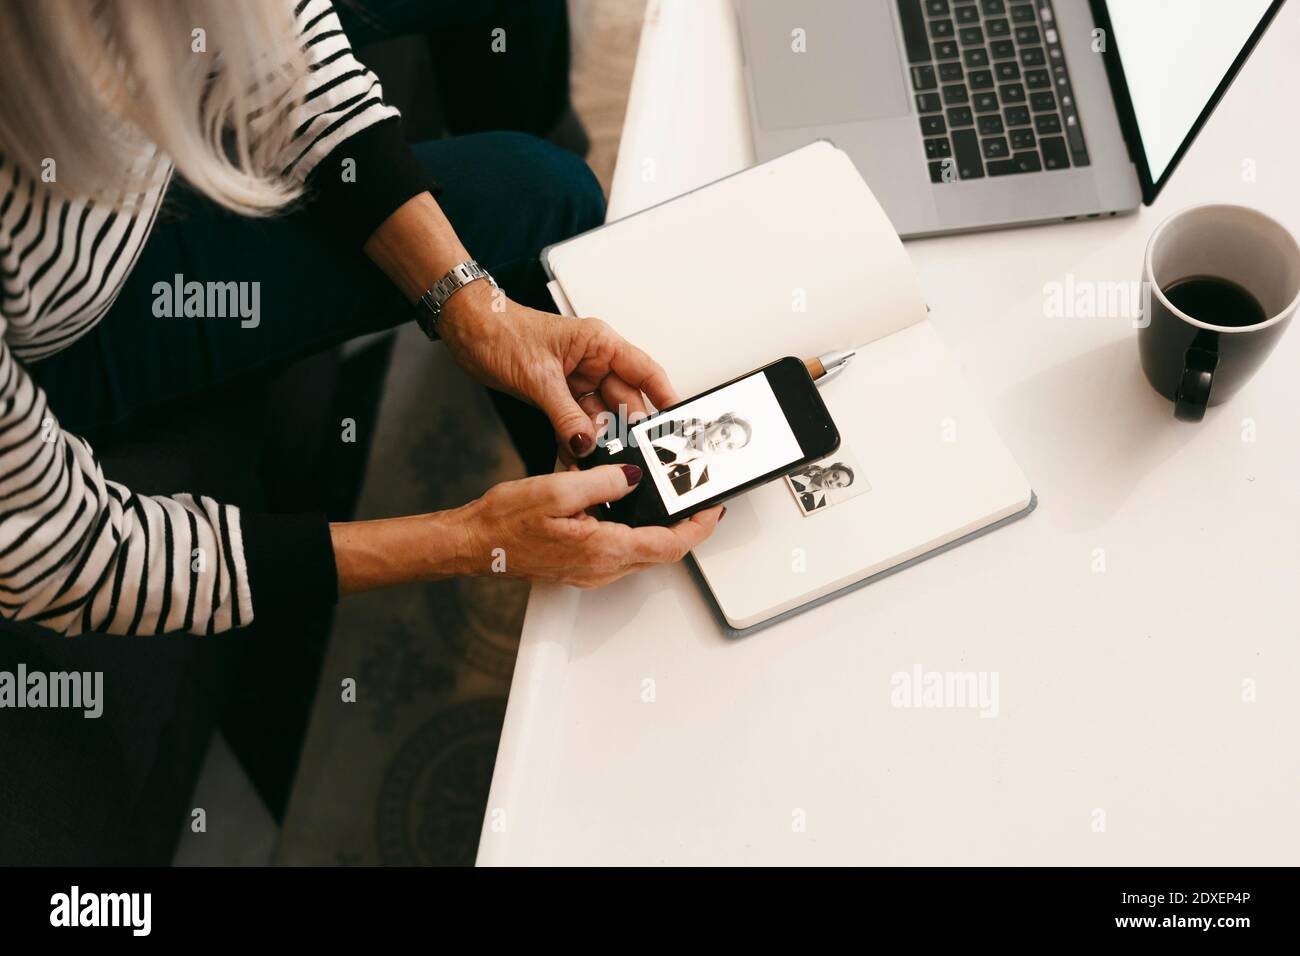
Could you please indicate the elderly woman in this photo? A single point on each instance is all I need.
(157, 158)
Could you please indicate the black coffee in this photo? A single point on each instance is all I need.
(1215, 301)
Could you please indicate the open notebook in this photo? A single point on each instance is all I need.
(795, 257)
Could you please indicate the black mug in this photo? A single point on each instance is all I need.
(1221, 283)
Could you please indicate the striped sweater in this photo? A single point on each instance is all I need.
(78, 551)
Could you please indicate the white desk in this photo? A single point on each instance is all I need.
(1121, 691)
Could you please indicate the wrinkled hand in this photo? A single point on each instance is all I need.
(575, 370)
(539, 529)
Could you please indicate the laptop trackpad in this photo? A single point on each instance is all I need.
(822, 62)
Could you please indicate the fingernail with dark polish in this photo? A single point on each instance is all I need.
(581, 443)
(632, 473)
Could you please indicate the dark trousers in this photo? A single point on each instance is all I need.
(501, 64)
(87, 791)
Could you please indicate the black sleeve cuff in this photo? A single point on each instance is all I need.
(385, 174)
(290, 561)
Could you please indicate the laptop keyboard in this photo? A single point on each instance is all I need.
(991, 88)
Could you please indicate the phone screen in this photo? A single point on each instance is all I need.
(716, 442)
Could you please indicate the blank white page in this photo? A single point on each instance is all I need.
(791, 257)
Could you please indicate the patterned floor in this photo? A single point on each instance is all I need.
(401, 774)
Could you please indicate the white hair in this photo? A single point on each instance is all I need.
(101, 87)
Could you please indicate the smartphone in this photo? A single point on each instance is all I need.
(721, 443)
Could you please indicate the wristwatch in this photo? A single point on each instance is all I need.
(429, 308)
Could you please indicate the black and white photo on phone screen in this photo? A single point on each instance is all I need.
(717, 442)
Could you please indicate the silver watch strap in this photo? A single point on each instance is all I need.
(442, 290)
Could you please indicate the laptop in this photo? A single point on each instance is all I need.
(977, 114)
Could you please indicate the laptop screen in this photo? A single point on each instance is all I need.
(1175, 54)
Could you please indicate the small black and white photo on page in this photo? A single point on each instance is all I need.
(828, 482)
(717, 443)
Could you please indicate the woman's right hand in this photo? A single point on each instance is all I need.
(535, 528)
(539, 529)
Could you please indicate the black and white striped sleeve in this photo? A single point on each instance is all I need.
(348, 144)
(81, 553)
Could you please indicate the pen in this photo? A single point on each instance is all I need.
(824, 366)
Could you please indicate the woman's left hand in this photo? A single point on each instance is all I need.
(575, 370)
